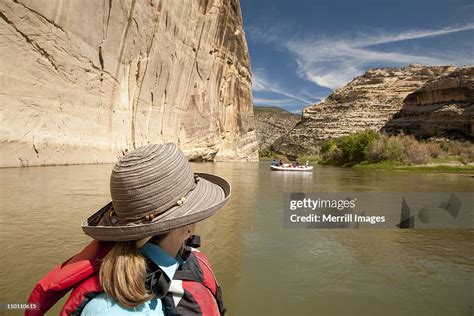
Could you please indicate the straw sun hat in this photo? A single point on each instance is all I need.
(154, 191)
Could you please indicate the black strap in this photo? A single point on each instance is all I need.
(220, 301)
(186, 275)
(156, 280)
(193, 241)
(87, 298)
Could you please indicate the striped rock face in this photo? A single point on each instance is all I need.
(442, 107)
(371, 101)
(84, 81)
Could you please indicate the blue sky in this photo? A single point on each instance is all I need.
(301, 50)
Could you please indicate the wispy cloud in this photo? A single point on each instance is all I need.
(384, 38)
(334, 61)
(262, 83)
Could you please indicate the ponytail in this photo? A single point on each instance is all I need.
(122, 275)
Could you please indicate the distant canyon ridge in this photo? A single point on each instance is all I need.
(272, 123)
(427, 102)
(86, 81)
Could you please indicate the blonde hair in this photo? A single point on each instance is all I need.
(122, 275)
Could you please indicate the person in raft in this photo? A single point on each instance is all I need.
(143, 259)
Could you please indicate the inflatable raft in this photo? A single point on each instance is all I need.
(296, 169)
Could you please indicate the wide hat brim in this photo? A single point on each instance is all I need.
(210, 194)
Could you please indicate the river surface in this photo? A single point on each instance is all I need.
(263, 268)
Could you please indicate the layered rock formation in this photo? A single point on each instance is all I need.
(367, 102)
(442, 107)
(84, 81)
(272, 123)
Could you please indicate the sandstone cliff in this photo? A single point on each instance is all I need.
(442, 107)
(272, 123)
(84, 81)
(367, 102)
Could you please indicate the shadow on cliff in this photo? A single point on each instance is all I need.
(442, 107)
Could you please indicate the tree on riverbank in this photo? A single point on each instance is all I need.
(373, 147)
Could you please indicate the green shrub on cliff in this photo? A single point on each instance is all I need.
(265, 153)
(268, 154)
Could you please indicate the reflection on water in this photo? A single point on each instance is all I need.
(263, 268)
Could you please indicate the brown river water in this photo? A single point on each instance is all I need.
(263, 268)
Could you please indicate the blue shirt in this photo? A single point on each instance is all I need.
(103, 304)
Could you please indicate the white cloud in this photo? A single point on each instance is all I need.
(416, 34)
(331, 69)
(311, 95)
(334, 61)
(332, 80)
(260, 82)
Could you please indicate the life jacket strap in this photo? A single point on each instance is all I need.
(194, 241)
(156, 280)
(188, 275)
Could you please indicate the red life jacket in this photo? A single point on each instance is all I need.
(193, 290)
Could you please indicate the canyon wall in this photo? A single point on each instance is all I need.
(369, 101)
(272, 123)
(442, 107)
(85, 81)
